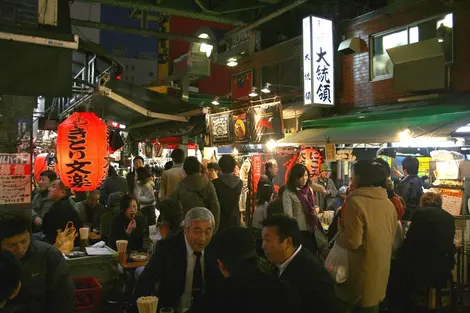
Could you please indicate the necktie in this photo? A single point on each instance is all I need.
(197, 278)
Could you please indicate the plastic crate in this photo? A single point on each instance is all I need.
(87, 295)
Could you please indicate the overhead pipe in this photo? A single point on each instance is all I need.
(141, 32)
(131, 105)
(148, 6)
(265, 19)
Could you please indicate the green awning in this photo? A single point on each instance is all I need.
(382, 126)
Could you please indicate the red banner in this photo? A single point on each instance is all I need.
(256, 169)
(242, 84)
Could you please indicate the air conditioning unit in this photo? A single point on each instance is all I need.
(418, 67)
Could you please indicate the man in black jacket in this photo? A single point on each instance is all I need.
(45, 281)
(60, 213)
(245, 288)
(297, 266)
(181, 271)
(228, 188)
(410, 187)
(10, 272)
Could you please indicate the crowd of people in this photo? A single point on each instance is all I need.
(211, 262)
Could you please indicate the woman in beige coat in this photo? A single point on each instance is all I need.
(369, 224)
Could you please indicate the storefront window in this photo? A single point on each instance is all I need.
(440, 28)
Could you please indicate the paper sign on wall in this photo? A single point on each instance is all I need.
(15, 178)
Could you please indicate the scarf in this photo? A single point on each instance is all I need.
(307, 200)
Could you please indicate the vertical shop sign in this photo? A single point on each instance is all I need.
(307, 59)
(318, 61)
(330, 152)
(256, 169)
(15, 178)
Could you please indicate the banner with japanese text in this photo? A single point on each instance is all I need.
(15, 178)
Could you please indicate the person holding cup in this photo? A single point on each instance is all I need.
(130, 225)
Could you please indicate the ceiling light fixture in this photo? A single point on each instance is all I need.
(204, 47)
(253, 92)
(232, 62)
(215, 101)
(266, 88)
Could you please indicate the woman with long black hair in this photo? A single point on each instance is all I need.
(298, 201)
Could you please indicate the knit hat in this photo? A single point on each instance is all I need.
(325, 168)
(234, 243)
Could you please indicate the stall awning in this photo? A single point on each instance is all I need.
(383, 127)
(147, 114)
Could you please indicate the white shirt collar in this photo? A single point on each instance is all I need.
(284, 265)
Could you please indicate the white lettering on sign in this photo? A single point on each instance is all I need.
(319, 68)
(307, 59)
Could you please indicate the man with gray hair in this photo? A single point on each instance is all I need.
(180, 271)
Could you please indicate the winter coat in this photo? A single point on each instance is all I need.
(111, 185)
(428, 251)
(325, 201)
(145, 193)
(41, 204)
(169, 181)
(138, 240)
(88, 215)
(370, 222)
(46, 283)
(57, 218)
(228, 188)
(197, 191)
(293, 208)
(411, 190)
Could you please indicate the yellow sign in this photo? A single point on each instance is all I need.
(330, 151)
(424, 165)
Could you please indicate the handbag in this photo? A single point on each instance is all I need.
(321, 239)
(65, 239)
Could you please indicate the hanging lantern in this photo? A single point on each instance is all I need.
(82, 151)
(41, 164)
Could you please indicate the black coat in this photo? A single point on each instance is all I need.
(46, 283)
(139, 238)
(312, 283)
(168, 267)
(428, 250)
(411, 190)
(229, 189)
(58, 216)
(130, 177)
(255, 292)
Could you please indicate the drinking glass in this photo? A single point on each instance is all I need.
(166, 310)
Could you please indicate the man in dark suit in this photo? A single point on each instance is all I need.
(297, 266)
(180, 271)
(245, 287)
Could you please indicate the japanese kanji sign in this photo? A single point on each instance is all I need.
(82, 151)
(15, 178)
(318, 61)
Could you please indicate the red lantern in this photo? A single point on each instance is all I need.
(40, 165)
(82, 151)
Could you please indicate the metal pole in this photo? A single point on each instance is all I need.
(141, 32)
(265, 19)
(149, 6)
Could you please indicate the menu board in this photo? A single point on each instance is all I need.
(452, 201)
(220, 128)
(15, 178)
